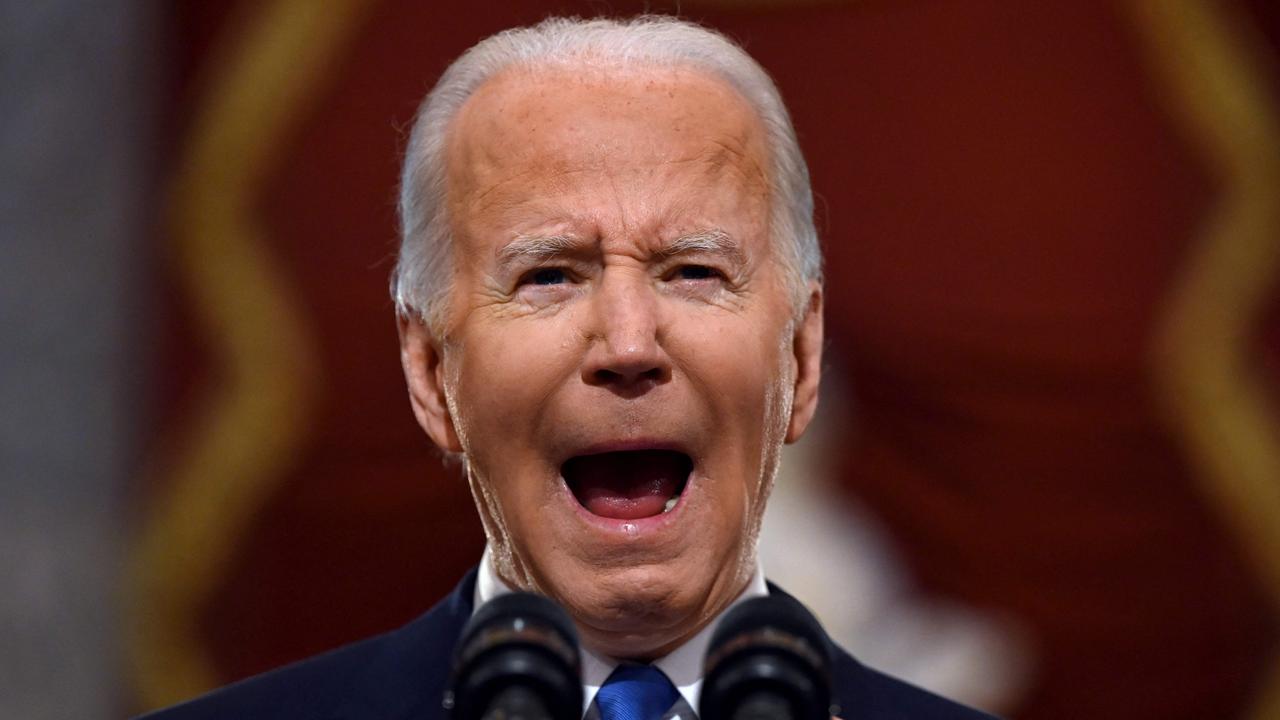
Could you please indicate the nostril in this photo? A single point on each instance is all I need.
(607, 376)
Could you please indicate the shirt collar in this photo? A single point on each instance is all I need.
(682, 666)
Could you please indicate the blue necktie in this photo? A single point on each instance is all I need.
(636, 692)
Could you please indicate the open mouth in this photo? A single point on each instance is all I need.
(630, 484)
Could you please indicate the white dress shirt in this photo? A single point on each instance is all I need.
(682, 666)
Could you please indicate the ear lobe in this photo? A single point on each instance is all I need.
(807, 348)
(422, 360)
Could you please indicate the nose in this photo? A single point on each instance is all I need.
(626, 353)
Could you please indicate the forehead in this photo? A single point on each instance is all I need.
(528, 126)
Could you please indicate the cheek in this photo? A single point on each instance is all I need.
(502, 387)
(743, 375)
(741, 371)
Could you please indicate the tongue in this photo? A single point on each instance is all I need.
(626, 485)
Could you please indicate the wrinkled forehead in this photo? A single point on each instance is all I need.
(576, 116)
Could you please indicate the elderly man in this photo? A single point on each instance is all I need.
(610, 307)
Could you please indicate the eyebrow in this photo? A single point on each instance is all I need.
(713, 241)
(536, 247)
(541, 247)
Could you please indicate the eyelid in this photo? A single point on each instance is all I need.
(526, 277)
(715, 263)
(714, 274)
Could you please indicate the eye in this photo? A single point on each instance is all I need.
(695, 272)
(545, 276)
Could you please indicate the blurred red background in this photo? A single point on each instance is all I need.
(1011, 198)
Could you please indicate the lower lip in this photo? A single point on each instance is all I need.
(629, 528)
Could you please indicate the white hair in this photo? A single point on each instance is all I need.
(421, 280)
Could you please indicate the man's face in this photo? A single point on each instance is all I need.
(620, 361)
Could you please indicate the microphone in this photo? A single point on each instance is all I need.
(517, 660)
(768, 660)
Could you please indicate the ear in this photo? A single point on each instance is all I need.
(807, 348)
(422, 358)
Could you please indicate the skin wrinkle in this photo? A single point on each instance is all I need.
(732, 152)
(581, 64)
(735, 148)
(476, 204)
(704, 245)
(624, 345)
(542, 249)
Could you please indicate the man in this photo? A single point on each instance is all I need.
(610, 307)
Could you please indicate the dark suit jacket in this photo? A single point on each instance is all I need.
(401, 675)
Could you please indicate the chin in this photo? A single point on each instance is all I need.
(625, 623)
(638, 611)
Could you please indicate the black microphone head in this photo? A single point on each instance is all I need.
(769, 649)
(521, 609)
(518, 639)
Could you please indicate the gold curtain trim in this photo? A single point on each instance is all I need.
(1210, 68)
(242, 439)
